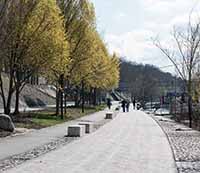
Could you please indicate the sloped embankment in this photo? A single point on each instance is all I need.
(32, 96)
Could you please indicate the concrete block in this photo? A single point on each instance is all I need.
(109, 115)
(89, 127)
(76, 130)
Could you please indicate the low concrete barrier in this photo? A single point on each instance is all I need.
(76, 130)
(109, 115)
(89, 127)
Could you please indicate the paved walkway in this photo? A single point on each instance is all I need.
(16, 145)
(131, 143)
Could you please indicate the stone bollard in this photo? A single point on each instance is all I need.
(109, 115)
(89, 127)
(76, 130)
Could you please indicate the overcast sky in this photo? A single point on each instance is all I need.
(127, 26)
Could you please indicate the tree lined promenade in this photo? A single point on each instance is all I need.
(132, 142)
(57, 40)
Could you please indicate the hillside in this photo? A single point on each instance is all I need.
(146, 81)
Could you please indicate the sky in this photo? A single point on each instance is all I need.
(128, 26)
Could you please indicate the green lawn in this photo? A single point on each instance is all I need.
(42, 119)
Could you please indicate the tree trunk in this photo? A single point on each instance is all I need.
(61, 95)
(2, 93)
(57, 101)
(61, 105)
(95, 97)
(65, 103)
(8, 105)
(9, 99)
(171, 106)
(17, 93)
(77, 97)
(90, 96)
(100, 97)
(83, 96)
(190, 98)
(190, 111)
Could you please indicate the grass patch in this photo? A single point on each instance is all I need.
(46, 122)
(46, 118)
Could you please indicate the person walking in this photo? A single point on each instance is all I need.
(124, 105)
(109, 103)
(127, 106)
(134, 102)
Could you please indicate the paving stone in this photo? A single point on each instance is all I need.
(185, 144)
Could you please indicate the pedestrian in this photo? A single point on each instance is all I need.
(109, 103)
(134, 102)
(127, 106)
(124, 105)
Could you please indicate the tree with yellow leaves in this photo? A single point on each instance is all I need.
(103, 67)
(58, 70)
(91, 64)
(34, 38)
(79, 17)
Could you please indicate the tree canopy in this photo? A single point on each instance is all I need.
(54, 39)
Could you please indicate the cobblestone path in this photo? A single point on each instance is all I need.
(185, 144)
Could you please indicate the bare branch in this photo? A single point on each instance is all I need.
(169, 55)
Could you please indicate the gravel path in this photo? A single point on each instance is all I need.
(185, 143)
(131, 143)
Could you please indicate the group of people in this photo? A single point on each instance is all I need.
(124, 103)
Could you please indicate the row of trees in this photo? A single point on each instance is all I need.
(55, 39)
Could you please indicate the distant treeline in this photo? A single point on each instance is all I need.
(147, 82)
